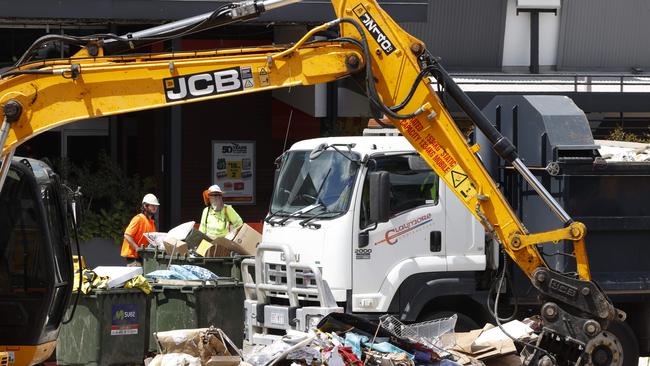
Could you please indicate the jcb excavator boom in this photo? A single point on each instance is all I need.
(37, 96)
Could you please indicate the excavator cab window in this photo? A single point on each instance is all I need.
(54, 206)
(28, 259)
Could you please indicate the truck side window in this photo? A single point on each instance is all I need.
(409, 188)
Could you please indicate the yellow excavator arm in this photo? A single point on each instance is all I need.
(397, 68)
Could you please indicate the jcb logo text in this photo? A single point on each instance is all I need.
(202, 84)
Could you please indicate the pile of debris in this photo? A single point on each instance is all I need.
(347, 340)
(195, 347)
(495, 345)
(616, 151)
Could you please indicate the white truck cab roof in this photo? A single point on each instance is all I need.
(363, 145)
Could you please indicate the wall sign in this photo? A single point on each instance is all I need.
(233, 169)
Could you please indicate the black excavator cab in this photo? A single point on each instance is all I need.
(36, 273)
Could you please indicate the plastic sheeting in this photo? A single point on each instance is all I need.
(156, 240)
(263, 356)
(180, 232)
(183, 272)
(356, 341)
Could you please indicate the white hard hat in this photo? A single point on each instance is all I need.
(215, 189)
(150, 199)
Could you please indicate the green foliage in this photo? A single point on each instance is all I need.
(619, 134)
(106, 223)
(110, 197)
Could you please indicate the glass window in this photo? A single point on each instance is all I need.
(408, 188)
(326, 182)
(56, 225)
(20, 238)
(24, 276)
(52, 200)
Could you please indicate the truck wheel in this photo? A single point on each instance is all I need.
(463, 324)
(617, 346)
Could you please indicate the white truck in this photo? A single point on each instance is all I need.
(331, 243)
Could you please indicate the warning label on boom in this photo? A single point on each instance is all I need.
(457, 178)
(264, 76)
(461, 183)
(247, 77)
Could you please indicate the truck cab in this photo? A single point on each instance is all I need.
(323, 250)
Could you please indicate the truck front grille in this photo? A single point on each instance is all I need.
(276, 274)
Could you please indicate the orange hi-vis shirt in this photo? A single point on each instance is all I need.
(139, 225)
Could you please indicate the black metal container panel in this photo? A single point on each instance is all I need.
(614, 205)
(609, 198)
(612, 202)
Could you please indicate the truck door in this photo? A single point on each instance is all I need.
(412, 241)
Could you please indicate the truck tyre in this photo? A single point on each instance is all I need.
(617, 346)
(463, 324)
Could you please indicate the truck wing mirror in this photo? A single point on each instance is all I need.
(416, 163)
(379, 197)
(317, 151)
(276, 172)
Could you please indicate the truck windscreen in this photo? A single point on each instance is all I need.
(327, 180)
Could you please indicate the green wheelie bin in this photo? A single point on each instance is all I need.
(109, 327)
(197, 305)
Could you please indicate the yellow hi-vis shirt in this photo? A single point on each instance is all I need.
(215, 223)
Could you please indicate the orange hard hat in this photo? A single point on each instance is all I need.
(206, 199)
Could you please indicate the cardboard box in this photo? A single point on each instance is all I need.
(172, 245)
(245, 241)
(223, 361)
(195, 237)
(206, 249)
(494, 346)
(211, 345)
